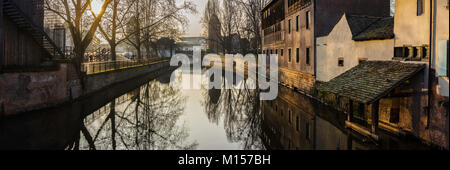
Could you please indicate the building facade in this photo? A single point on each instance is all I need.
(291, 27)
(421, 36)
(19, 48)
(354, 39)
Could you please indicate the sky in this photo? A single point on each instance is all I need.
(194, 28)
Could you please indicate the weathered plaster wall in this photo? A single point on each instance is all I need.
(410, 29)
(302, 39)
(339, 44)
(442, 34)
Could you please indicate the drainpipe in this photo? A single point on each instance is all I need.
(430, 62)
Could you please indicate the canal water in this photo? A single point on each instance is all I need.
(149, 114)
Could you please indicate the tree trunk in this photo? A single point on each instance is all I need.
(77, 62)
(113, 54)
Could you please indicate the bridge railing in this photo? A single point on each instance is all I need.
(101, 67)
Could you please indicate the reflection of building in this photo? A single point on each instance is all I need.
(214, 34)
(291, 27)
(296, 122)
(354, 39)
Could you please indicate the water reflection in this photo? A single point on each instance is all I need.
(144, 119)
(296, 122)
(151, 115)
(239, 109)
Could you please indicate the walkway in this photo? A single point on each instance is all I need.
(101, 67)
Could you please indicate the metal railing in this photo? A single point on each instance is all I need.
(101, 67)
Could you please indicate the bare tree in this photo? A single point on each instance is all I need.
(253, 20)
(241, 18)
(153, 19)
(114, 22)
(82, 26)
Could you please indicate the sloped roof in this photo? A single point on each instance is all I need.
(371, 28)
(371, 80)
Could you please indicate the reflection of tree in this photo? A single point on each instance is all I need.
(147, 120)
(240, 110)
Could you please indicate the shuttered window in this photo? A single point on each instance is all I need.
(420, 7)
(443, 58)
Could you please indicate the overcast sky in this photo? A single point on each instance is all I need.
(195, 27)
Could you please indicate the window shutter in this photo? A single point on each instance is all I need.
(443, 58)
(419, 7)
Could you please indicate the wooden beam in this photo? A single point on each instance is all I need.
(1, 34)
(375, 116)
(350, 112)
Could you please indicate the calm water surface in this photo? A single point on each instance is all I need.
(148, 114)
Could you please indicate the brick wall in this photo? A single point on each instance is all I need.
(302, 81)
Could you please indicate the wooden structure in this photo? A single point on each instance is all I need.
(368, 85)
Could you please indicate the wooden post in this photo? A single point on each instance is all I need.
(375, 116)
(350, 112)
(1, 34)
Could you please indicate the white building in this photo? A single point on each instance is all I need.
(354, 39)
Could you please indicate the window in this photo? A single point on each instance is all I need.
(276, 51)
(297, 123)
(401, 52)
(298, 55)
(282, 52)
(424, 52)
(308, 19)
(271, 51)
(420, 7)
(308, 56)
(360, 60)
(307, 130)
(296, 23)
(289, 26)
(290, 117)
(398, 52)
(341, 62)
(290, 55)
(394, 115)
(415, 52)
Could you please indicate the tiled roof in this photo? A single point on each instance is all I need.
(371, 80)
(371, 28)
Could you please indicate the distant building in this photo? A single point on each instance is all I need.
(354, 39)
(186, 44)
(291, 28)
(165, 47)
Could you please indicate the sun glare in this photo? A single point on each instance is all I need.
(96, 6)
